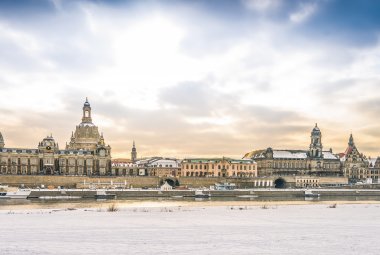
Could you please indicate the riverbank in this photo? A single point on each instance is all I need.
(156, 193)
(16, 205)
(204, 228)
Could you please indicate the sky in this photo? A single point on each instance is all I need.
(192, 78)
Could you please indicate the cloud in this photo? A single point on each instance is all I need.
(261, 5)
(185, 80)
(369, 107)
(305, 11)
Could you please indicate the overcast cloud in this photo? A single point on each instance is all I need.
(192, 78)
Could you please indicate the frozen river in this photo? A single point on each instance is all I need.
(281, 229)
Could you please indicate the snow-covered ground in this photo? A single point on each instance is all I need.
(284, 229)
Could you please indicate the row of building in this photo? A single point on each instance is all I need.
(317, 162)
(194, 167)
(263, 163)
(87, 154)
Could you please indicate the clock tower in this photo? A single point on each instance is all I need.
(315, 149)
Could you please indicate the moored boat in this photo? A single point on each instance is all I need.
(102, 194)
(248, 196)
(309, 193)
(59, 197)
(177, 196)
(224, 186)
(18, 194)
(200, 194)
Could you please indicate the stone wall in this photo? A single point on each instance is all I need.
(73, 181)
(149, 181)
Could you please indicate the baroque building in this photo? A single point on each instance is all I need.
(158, 166)
(355, 165)
(155, 166)
(374, 169)
(314, 161)
(86, 154)
(218, 167)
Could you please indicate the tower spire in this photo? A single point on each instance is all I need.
(86, 118)
(134, 153)
(315, 149)
(351, 142)
(1, 141)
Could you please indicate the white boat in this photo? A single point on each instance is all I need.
(177, 196)
(59, 197)
(102, 194)
(19, 194)
(309, 193)
(200, 194)
(248, 196)
(225, 186)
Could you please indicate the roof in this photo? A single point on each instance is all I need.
(249, 155)
(289, 154)
(19, 150)
(217, 160)
(292, 154)
(329, 155)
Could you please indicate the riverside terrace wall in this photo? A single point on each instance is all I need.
(209, 181)
(149, 181)
(134, 181)
(260, 193)
(33, 181)
(171, 193)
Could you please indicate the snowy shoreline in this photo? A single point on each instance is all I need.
(121, 204)
(199, 229)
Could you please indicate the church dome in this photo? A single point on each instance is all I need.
(86, 103)
(48, 139)
(316, 130)
(49, 143)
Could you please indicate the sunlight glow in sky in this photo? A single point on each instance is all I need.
(192, 78)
